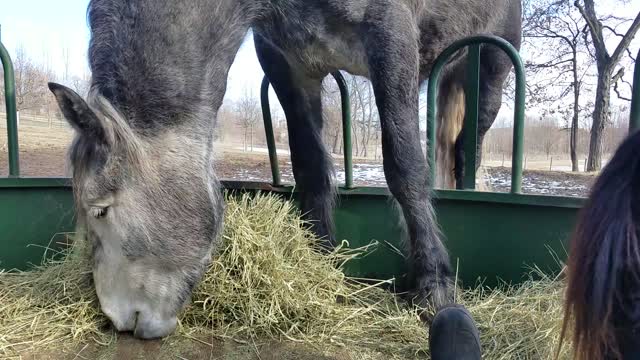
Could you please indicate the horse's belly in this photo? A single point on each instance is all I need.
(318, 45)
(336, 53)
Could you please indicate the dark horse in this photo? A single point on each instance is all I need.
(603, 292)
(142, 159)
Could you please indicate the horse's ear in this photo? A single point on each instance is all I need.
(78, 113)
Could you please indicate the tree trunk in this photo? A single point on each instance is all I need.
(354, 134)
(244, 140)
(573, 140)
(366, 145)
(369, 123)
(251, 137)
(606, 64)
(600, 119)
(336, 137)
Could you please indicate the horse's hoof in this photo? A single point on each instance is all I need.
(432, 295)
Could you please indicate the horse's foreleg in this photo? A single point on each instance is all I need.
(393, 66)
(300, 97)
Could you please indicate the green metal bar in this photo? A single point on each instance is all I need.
(12, 115)
(346, 129)
(268, 129)
(470, 127)
(518, 120)
(518, 128)
(634, 119)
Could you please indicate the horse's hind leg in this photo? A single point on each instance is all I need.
(300, 97)
(393, 66)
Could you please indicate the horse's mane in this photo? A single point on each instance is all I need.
(604, 262)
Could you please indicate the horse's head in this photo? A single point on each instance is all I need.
(150, 208)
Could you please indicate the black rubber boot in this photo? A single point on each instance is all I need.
(453, 335)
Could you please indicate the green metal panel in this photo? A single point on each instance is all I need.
(490, 235)
(12, 115)
(634, 119)
(486, 240)
(519, 106)
(31, 219)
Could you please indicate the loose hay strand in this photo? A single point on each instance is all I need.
(268, 283)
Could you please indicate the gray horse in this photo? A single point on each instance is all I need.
(142, 158)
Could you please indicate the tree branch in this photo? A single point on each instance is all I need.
(617, 18)
(615, 79)
(589, 15)
(626, 40)
(613, 31)
(548, 64)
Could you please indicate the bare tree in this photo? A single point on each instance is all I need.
(332, 112)
(31, 82)
(364, 113)
(559, 26)
(81, 83)
(606, 64)
(65, 58)
(248, 111)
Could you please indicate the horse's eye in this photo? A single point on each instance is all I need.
(98, 212)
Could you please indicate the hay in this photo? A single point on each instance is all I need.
(522, 322)
(269, 284)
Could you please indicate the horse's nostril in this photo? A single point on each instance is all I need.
(136, 316)
(122, 320)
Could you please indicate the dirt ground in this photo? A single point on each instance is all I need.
(543, 182)
(200, 347)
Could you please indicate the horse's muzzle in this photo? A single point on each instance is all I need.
(144, 325)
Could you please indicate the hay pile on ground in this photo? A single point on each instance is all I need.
(269, 284)
(521, 322)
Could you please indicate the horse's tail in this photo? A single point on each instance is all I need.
(451, 111)
(603, 265)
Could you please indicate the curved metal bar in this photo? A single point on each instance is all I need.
(634, 119)
(12, 115)
(268, 129)
(346, 129)
(518, 128)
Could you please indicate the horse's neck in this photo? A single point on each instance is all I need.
(234, 18)
(179, 84)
